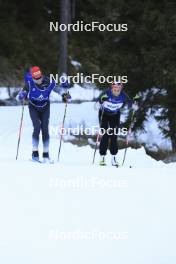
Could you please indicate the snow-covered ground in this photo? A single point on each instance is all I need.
(76, 212)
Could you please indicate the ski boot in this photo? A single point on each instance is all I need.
(35, 156)
(102, 161)
(46, 158)
(114, 161)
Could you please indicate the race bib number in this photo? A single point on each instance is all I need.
(111, 106)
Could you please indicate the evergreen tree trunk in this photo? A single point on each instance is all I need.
(9, 92)
(73, 8)
(63, 37)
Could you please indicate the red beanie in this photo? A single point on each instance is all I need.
(36, 72)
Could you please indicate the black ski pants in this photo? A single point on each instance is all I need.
(109, 124)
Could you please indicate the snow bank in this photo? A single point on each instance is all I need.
(86, 93)
(4, 93)
(81, 93)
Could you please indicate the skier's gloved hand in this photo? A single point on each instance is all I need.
(22, 95)
(66, 97)
(136, 98)
(103, 98)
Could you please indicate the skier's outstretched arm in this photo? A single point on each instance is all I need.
(59, 89)
(103, 97)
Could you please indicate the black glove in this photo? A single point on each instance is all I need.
(103, 98)
(66, 97)
(136, 98)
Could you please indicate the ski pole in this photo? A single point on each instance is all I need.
(63, 122)
(98, 136)
(20, 130)
(127, 137)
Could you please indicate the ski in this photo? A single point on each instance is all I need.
(48, 161)
(42, 162)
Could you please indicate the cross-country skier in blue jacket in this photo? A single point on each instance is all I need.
(37, 90)
(111, 101)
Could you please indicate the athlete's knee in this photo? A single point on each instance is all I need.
(36, 131)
